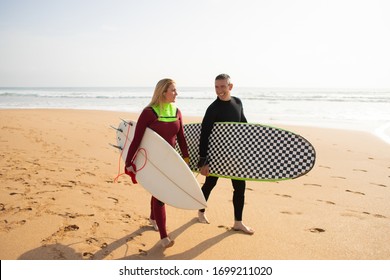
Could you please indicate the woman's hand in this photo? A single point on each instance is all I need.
(130, 169)
(187, 160)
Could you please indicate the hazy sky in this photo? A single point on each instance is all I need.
(265, 43)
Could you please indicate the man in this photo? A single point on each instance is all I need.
(225, 108)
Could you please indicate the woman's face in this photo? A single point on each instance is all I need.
(170, 94)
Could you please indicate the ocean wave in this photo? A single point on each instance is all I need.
(72, 96)
(293, 96)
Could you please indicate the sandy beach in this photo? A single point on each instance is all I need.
(58, 199)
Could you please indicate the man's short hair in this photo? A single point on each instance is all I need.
(223, 77)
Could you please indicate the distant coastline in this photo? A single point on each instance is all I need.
(356, 109)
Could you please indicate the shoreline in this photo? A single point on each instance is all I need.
(58, 199)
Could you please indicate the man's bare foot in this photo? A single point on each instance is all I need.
(239, 226)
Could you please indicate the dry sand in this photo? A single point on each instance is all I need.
(58, 199)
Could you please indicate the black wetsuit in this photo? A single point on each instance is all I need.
(222, 111)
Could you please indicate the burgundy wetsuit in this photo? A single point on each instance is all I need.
(170, 131)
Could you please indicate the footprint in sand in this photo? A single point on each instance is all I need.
(142, 252)
(21, 222)
(85, 173)
(283, 195)
(379, 216)
(316, 230)
(291, 213)
(113, 198)
(75, 215)
(360, 170)
(375, 215)
(354, 214)
(326, 201)
(360, 193)
(91, 240)
(71, 228)
(323, 166)
(96, 242)
(339, 177)
(314, 185)
(87, 256)
(126, 218)
(59, 234)
(15, 193)
(95, 225)
(224, 227)
(380, 185)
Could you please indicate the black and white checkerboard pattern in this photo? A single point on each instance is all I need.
(252, 152)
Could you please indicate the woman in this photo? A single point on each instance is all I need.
(166, 120)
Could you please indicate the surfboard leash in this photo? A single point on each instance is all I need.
(131, 174)
(120, 155)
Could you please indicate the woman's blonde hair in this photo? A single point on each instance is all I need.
(161, 88)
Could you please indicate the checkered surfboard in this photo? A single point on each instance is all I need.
(252, 152)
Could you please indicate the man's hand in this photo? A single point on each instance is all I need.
(205, 170)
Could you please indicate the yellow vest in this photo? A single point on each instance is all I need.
(165, 112)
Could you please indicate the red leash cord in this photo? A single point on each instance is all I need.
(131, 174)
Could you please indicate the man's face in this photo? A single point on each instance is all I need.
(222, 89)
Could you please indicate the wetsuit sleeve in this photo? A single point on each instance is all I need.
(180, 137)
(145, 119)
(241, 108)
(243, 118)
(207, 126)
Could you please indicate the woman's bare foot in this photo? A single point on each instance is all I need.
(154, 224)
(202, 218)
(167, 242)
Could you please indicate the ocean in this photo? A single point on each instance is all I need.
(356, 109)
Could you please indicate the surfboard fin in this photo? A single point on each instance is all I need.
(128, 122)
(115, 146)
(117, 129)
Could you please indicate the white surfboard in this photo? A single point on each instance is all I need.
(162, 171)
